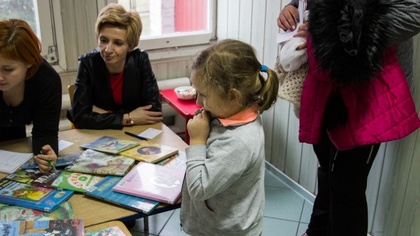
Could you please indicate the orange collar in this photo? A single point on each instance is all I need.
(245, 116)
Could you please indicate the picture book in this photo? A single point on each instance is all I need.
(75, 181)
(110, 144)
(113, 230)
(103, 190)
(62, 161)
(34, 177)
(74, 227)
(34, 197)
(152, 181)
(150, 152)
(10, 213)
(11, 161)
(94, 162)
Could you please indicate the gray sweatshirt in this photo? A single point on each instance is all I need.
(223, 191)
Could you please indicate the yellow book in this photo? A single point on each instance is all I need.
(149, 152)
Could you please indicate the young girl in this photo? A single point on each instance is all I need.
(223, 192)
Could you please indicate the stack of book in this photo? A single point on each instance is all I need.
(106, 170)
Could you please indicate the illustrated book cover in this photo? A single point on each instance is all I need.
(76, 181)
(11, 161)
(34, 177)
(152, 181)
(74, 227)
(103, 190)
(34, 197)
(150, 152)
(110, 144)
(62, 161)
(94, 162)
(10, 213)
(114, 231)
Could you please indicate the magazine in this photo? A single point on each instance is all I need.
(150, 152)
(103, 190)
(110, 144)
(94, 162)
(10, 213)
(74, 227)
(34, 197)
(75, 181)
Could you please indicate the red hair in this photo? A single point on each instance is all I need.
(18, 42)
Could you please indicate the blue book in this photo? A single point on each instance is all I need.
(34, 197)
(103, 191)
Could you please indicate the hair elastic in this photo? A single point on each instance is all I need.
(264, 68)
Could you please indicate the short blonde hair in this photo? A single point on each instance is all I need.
(115, 15)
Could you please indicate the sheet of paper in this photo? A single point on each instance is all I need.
(62, 144)
(11, 161)
(150, 133)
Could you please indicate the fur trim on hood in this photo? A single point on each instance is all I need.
(349, 37)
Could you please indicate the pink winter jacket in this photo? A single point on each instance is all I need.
(379, 111)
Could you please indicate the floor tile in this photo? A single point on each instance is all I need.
(173, 226)
(282, 203)
(275, 227)
(302, 228)
(306, 213)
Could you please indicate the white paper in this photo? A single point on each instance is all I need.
(62, 144)
(11, 161)
(150, 133)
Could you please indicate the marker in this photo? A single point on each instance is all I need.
(49, 162)
(135, 136)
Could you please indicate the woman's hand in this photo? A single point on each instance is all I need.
(47, 159)
(143, 115)
(288, 18)
(302, 31)
(199, 128)
(98, 110)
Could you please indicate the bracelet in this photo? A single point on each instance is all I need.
(130, 121)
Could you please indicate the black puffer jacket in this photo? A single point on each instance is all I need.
(92, 87)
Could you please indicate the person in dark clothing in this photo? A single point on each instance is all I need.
(30, 91)
(355, 97)
(115, 84)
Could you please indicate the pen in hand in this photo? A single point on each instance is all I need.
(135, 136)
(49, 162)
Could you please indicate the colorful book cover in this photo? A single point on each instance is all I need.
(10, 213)
(151, 181)
(150, 152)
(34, 197)
(103, 190)
(62, 161)
(94, 162)
(74, 227)
(114, 231)
(110, 144)
(76, 181)
(34, 177)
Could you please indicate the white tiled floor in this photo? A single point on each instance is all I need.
(287, 210)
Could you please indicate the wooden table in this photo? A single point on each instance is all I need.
(186, 108)
(108, 225)
(93, 211)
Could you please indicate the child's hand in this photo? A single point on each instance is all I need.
(199, 128)
(45, 158)
(288, 18)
